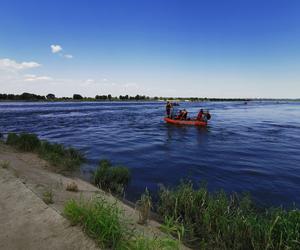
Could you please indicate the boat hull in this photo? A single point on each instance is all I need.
(184, 122)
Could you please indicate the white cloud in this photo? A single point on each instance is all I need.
(34, 78)
(68, 56)
(89, 81)
(11, 65)
(131, 85)
(56, 48)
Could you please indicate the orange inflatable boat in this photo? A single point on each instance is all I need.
(185, 122)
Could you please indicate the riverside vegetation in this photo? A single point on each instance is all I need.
(105, 223)
(100, 219)
(111, 178)
(215, 221)
(196, 217)
(65, 159)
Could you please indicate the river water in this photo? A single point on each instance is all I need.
(252, 147)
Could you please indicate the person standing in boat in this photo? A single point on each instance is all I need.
(169, 106)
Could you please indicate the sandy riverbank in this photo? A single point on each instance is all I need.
(28, 223)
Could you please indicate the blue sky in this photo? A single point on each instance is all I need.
(199, 48)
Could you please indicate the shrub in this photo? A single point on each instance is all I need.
(110, 178)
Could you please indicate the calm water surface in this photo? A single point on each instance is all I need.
(253, 148)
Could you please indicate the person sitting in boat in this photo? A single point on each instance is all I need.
(178, 117)
(200, 115)
(206, 116)
(184, 114)
(168, 109)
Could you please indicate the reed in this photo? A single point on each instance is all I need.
(216, 221)
(144, 205)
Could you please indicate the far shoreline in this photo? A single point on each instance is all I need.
(149, 101)
(30, 97)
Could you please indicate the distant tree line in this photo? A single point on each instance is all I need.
(49, 97)
(23, 97)
(104, 97)
(109, 97)
(136, 98)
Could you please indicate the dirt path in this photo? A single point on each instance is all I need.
(28, 223)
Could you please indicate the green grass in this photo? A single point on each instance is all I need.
(99, 219)
(48, 197)
(24, 142)
(173, 227)
(64, 158)
(145, 243)
(104, 222)
(216, 221)
(60, 156)
(111, 178)
(12, 139)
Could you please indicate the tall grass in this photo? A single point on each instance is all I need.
(111, 178)
(56, 154)
(100, 220)
(60, 156)
(144, 205)
(216, 221)
(24, 142)
(105, 223)
(12, 139)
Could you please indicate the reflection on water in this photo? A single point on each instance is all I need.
(253, 147)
